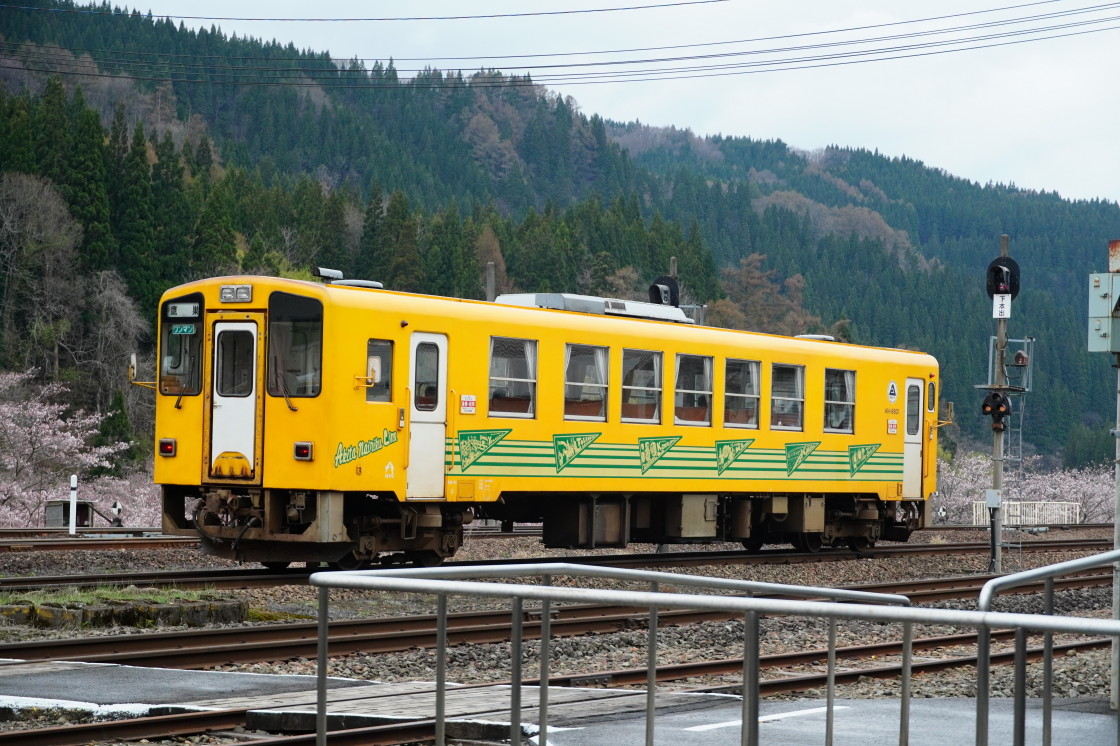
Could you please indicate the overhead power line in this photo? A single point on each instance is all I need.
(524, 14)
(268, 70)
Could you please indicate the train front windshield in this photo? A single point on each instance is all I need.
(180, 371)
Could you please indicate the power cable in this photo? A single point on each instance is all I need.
(97, 11)
(273, 75)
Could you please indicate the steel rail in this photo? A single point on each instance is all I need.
(86, 543)
(76, 734)
(798, 683)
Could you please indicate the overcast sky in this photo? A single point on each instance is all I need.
(1039, 113)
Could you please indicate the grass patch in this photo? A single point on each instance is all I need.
(106, 594)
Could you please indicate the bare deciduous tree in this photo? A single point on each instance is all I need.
(38, 237)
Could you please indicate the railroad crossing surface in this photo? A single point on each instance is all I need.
(576, 716)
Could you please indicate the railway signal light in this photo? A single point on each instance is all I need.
(1002, 277)
(996, 405)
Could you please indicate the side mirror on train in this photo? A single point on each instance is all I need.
(132, 374)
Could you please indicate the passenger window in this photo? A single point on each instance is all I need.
(693, 403)
(295, 345)
(379, 370)
(585, 383)
(236, 360)
(426, 385)
(641, 386)
(513, 377)
(787, 397)
(839, 400)
(180, 346)
(740, 404)
(913, 406)
(931, 397)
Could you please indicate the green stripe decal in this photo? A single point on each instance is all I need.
(489, 453)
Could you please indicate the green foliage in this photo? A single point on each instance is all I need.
(1086, 446)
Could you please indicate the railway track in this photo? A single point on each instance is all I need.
(253, 577)
(88, 543)
(109, 538)
(213, 723)
(253, 644)
(114, 538)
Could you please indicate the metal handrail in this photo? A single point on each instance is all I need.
(443, 582)
(983, 647)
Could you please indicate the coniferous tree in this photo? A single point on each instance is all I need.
(333, 232)
(87, 192)
(214, 246)
(404, 270)
(171, 212)
(52, 135)
(135, 229)
(372, 261)
(17, 149)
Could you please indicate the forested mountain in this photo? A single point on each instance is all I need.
(175, 153)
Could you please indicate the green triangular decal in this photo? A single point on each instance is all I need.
(650, 450)
(729, 450)
(474, 443)
(796, 453)
(567, 447)
(860, 455)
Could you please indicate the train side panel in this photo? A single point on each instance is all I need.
(314, 422)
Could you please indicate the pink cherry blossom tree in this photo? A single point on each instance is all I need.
(963, 480)
(42, 442)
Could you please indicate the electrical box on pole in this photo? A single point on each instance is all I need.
(1104, 316)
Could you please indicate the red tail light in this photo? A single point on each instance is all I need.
(304, 452)
(167, 447)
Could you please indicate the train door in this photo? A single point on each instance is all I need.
(427, 375)
(235, 401)
(912, 440)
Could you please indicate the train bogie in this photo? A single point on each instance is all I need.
(330, 423)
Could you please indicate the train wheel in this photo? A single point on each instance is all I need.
(811, 543)
(860, 543)
(754, 542)
(425, 558)
(276, 564)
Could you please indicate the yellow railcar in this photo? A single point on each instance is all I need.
(341, 422)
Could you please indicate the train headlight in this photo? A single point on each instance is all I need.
(236, 294)
(305, 451)
(167, 447)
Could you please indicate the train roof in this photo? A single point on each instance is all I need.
(594, 305)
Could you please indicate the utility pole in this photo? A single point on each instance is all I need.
(1104, 336)
(1002, 285)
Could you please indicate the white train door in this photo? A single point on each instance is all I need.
(427, 375)
(912, 440)
(235, 402)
